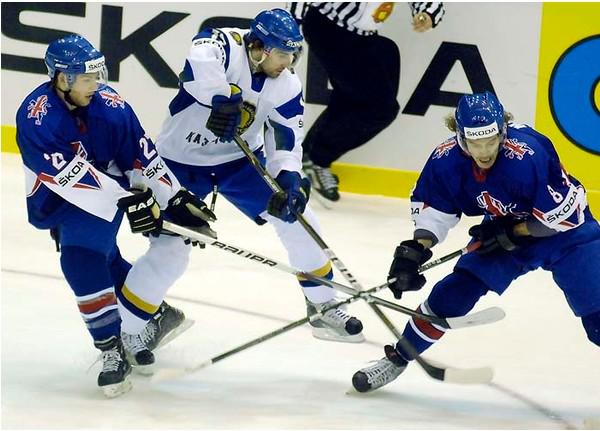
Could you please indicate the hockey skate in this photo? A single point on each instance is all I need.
(114, 377)
(137, 352)
(384, 371)
(166, 325)
(335, 324)
(323, 181)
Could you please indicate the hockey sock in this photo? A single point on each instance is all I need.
(453, 296)
(315, 292)
(88, 275)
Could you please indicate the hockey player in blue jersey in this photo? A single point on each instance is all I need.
(535, 216)
(87, 162)
(239, 81)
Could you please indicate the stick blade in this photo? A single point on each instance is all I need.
(471, 376)
(166, 374)
(483, 317)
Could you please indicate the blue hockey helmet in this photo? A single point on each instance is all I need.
(277, 28)
(74, 55)
(478, 116)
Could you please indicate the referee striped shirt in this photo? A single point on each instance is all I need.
(364, 18)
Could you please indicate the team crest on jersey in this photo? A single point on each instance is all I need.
(236, 36)
(514, 148)
(248, 115)
(494, 206)
(112, 99)
(38, 109)
(444, 148)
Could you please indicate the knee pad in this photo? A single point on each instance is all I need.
(158, 269)
(591, 323)
(87, 271)
(303, 252)
(119, 268)
(456, 294)
(166, 259)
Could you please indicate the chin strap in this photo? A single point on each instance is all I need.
(68, 99)
(67, 95)
(254, 63)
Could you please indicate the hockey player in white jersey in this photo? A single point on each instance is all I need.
(87, 163)
(242, 81)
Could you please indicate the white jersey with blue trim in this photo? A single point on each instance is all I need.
(217, 58)
(87, 157)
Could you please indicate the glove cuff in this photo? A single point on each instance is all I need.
(288, 179)
(413, 250)
(178, 197)
(138, 195)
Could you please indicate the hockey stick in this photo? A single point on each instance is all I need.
(314, 235)
(173, 373)
(447, 374)
(489, 315)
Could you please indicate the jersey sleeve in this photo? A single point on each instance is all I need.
(285, 133)
(52, 161)
(203, 75)
(432, 207)
(559, 200)
(139, 160)
(435, 10)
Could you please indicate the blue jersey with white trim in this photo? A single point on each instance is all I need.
(217, 58)
(526, 181)
(86, 157)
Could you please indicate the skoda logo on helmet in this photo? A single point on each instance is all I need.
(482, 132)
(293, 44)
(94, 65)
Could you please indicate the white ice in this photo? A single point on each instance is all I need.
(293, 381)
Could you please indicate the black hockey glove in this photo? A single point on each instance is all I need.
(142, 210)
(226, 114)
(496, 234)
(287, 204)
(188, 210)
(408, 257)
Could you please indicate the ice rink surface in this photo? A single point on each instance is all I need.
(547, 375)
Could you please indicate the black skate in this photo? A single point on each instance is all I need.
(113, 379)
(138, 353)
(323, 181)
(335, 324)
(381, 373)
(166, 324)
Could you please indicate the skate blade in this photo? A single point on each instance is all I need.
(330, 335)
(143, 370)
(113, 391)
(185, 325)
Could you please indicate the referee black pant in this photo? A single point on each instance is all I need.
(364, 72)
